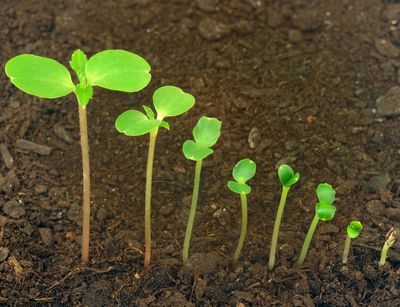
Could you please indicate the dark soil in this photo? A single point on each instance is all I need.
(303, 76)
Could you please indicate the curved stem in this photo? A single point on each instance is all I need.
(243, 200)
(307, 240)
(86, 183)
(189, 227)
(147, 208)
(277, 224)
(346, 250)
(384, 252)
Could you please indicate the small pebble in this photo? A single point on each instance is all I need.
(47, 236)
(212, 29)
(306, 20)
(254, 137)
(5, 154)
(63, 134)
(102, 214)
(389, 103)
(375, 207)
(4, 252)
(379, 181)
(14, 209)
(41, 188)
(207, 5)
(327, 228)
(386, 48)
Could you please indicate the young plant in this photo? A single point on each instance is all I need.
(243, 171)
(390, 240)
(206, 134)
(353, 231)
(168, 101)
(324, 211)
(287, 177)
(43, 77)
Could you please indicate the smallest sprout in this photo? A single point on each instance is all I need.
(390, 240)
(353, 231)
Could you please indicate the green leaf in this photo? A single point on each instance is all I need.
(194, 151)
(325, 211)
(149, 112)
(244, 170)
(84, 94)
(207, 131)
(239, 188)
(39, 76)
(134, 123)
(77, 63)
(326, 193)
(118, 70)
(287, 177)
(354, 228)
(164, 124)
(171, 101)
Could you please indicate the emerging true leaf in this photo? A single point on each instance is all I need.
(194, 151)
(207, 131)
(239, 188)
(149, 112)
(84, 94)
(77, 63)
(287, 177)
(39, 76)
(171, 101)
(244, 170)
(325, 211)
(118, 70)
(325, 193)
(134, 123)
(354, 228)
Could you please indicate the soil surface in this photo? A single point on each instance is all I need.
(309, 83)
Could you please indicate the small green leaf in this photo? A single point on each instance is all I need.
(149, 112)
(326, 193)
(77, 63)
(84, 94)
(194, 151)
(239, 188)
(325, 211)
(171, 101)
(354, 228)
(207, 131)
(287, 177)
(118, 70)
(39, 76)
(134, 123)
(164, 124)
(244, 170)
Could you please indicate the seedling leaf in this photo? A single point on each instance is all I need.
(77, 63)
(118, 70)
(244, 170)
(164, 124)
(207, 131)
(194, 151)
(134, 123)
(149, 112)
(84, 93)
(287, 177)
(354, 228)
(239, 188)
(171, 101)
(39, 76)
(325, 193)
(325, 210)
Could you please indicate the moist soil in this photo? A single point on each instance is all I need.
(300, 82)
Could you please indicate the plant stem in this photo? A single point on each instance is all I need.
(346, 250)
(243, 200)
(147, 208)
(277, 224)
(384, 252)
(307, 240)
(86, 183)
(189, 227)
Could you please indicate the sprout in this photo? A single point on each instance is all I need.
(168, 101)
(206, 134)
(353, 231)
(390, 240)
(243, 171)
(324, 211)
(43, 77)
(287, 178)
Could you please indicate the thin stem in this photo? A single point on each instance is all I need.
(307, 240)
(243, 200)
(189, 227)
(384, 252)
(86, 183)
(147, 208)
(277, 224)
(346, 250)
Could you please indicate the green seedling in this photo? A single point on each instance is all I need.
(168, 101)
(324, 211)
(243, 171)
(287, 177)
(43, 77)
(390, 240)
(206, 134)
(353, 231)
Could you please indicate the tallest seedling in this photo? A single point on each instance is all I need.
(43, 77)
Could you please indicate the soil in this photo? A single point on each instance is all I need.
(309, 82)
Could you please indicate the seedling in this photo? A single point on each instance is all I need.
(324, 211)
(390, 240)
(43, 77)
(168, 101)
(243, 171)
(353, 231)
(287, 177)
(206, 134)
